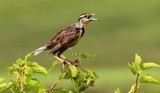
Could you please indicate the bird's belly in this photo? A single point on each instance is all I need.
(72, 43)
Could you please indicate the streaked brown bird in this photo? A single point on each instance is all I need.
(67, 37)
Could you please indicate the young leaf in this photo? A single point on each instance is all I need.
(1, 80)
(91, 74)
(63, 57)
(138, 59)
(118, 91)
(70, 92)
(20, 62)
(60, 90)
(132, 69)
(28, 56)
(75, 54)
(149, 66)
(36, 68)
(42, 90)
(54, 64)
(5, 86)
(132, 89)
(33, 84)
(10, 70)
(87, 56)
(149, 79)
(73, 70)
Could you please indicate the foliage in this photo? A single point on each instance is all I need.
(22, 76)
(137, 68)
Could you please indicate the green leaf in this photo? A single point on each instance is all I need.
(28, 56)
(73, 70)
(70, 92)
(149, 79)
(5, 86)
(132, 89)
(149, 65)
(91, 74)
(87, 55)
(75, 54)
(42, 90)
(118, 91)
(62, 57)
(36, 68)
(10, 70)
(15, 88)
(26, 79)
(28, 71)
(138, 59)
(132, 69)
(60, 90)
(54, 64)
(33, 84)
(2, 79)
(20, 62)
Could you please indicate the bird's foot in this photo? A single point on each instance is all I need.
(72, 62)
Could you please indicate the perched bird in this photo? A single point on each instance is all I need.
(67, 37)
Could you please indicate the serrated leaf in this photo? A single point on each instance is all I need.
(73, 70)
(138, 59)
(36, 68)
(5, 86)
(132, 69)
(149, 79)
(118, 91)
(149, 65)
(87, 55)
(54, 64)
(2, 79)
(33, 84)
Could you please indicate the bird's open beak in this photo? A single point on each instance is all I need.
(92, 19)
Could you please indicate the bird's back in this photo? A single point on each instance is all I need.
(67, 37)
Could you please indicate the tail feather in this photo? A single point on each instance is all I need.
(39, 50)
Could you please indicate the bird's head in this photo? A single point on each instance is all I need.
(86, 18)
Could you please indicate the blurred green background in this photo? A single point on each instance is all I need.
(126, 27)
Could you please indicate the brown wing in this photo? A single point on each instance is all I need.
(61, 38)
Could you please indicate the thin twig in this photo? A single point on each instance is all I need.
(54, 84)
(21, 74)
(136, 86)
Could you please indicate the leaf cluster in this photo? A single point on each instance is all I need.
(22, 78)
(137, 68)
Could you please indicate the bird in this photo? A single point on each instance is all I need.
(67, 37)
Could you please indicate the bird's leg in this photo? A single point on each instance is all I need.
(63, 61)
(58, 58)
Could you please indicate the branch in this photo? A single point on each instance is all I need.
(136, 86)
(20, 82)
(54, 84)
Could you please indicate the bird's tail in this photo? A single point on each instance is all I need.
(39, 50)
